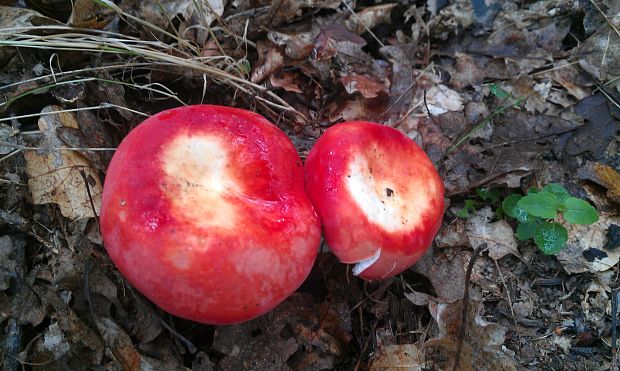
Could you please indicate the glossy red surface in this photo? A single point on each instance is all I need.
(374, 190)
(204, 212)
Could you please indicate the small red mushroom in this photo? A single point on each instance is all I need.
(204, 211)
(378, 196)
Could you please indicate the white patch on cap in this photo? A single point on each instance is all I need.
(391, 206)
(362, 265)
(263, 263)
(198, 182)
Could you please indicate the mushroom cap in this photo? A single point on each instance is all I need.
(378, 195)
(204, 212)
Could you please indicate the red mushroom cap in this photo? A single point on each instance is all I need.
(204, 212)
(378, 196)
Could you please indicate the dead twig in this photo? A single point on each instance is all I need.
(461, 334)
(614, 323)
(512, 311)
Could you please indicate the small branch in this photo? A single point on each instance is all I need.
(614, 322)
(461, 334)
(512, 311)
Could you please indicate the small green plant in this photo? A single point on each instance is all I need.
(488, 196)
(537, 211)
(507, 101)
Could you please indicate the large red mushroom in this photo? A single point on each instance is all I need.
(378, 196)
(204, 212)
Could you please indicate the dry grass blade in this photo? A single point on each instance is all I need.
(101, 106)
(606, 17)
(97, 41)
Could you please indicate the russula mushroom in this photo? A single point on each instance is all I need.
(378, 196)
(204, 211)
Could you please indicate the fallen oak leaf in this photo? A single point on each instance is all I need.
(498, 236)
(482, 347)
(603, 175)
(368, 86)
(369, 18)
(55, 177)
(270, 60)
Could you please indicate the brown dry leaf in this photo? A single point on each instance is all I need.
(600, 127)
(498, 236)
(289, 81)
(75, 330)
(356, 108)
(368, 86)
(603, 175)
(299, 44)
(467, 71)
(452, 235)
(195, 16)
(55, 177)
(270, 60)
(53, 342)
(7, 135)
(453, 18)
(8, 265)
(399, 357)
(446, 274)
(522, 43)
(441, 99)
(91, 134)
(148, 322)
(333, 39)
(369, 18)
(514, 151)
(12, 17)
(124, 351)
(261, 345)
(482, 347)
(90, 14)
(535, 97)
(569, 77)
(602, 51)
(272, 14)
(584, 251)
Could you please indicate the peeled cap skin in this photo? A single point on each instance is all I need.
(378, 196)
(204, 212)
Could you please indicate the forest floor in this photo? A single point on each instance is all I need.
(504, 96)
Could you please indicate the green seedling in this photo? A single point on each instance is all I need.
(507, 101)
(487, 196)
(536, 213)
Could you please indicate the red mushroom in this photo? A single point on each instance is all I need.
(204, 212)
(378, 196)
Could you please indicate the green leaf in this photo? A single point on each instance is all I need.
(550, 237)
(510, 203)
(578, 211)
(526, 230)
(498, 91)
(245, 66)
(491, 195)
(470, 206)
(542, 205)
(558, 191)
(532, 190)
(522, 215)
